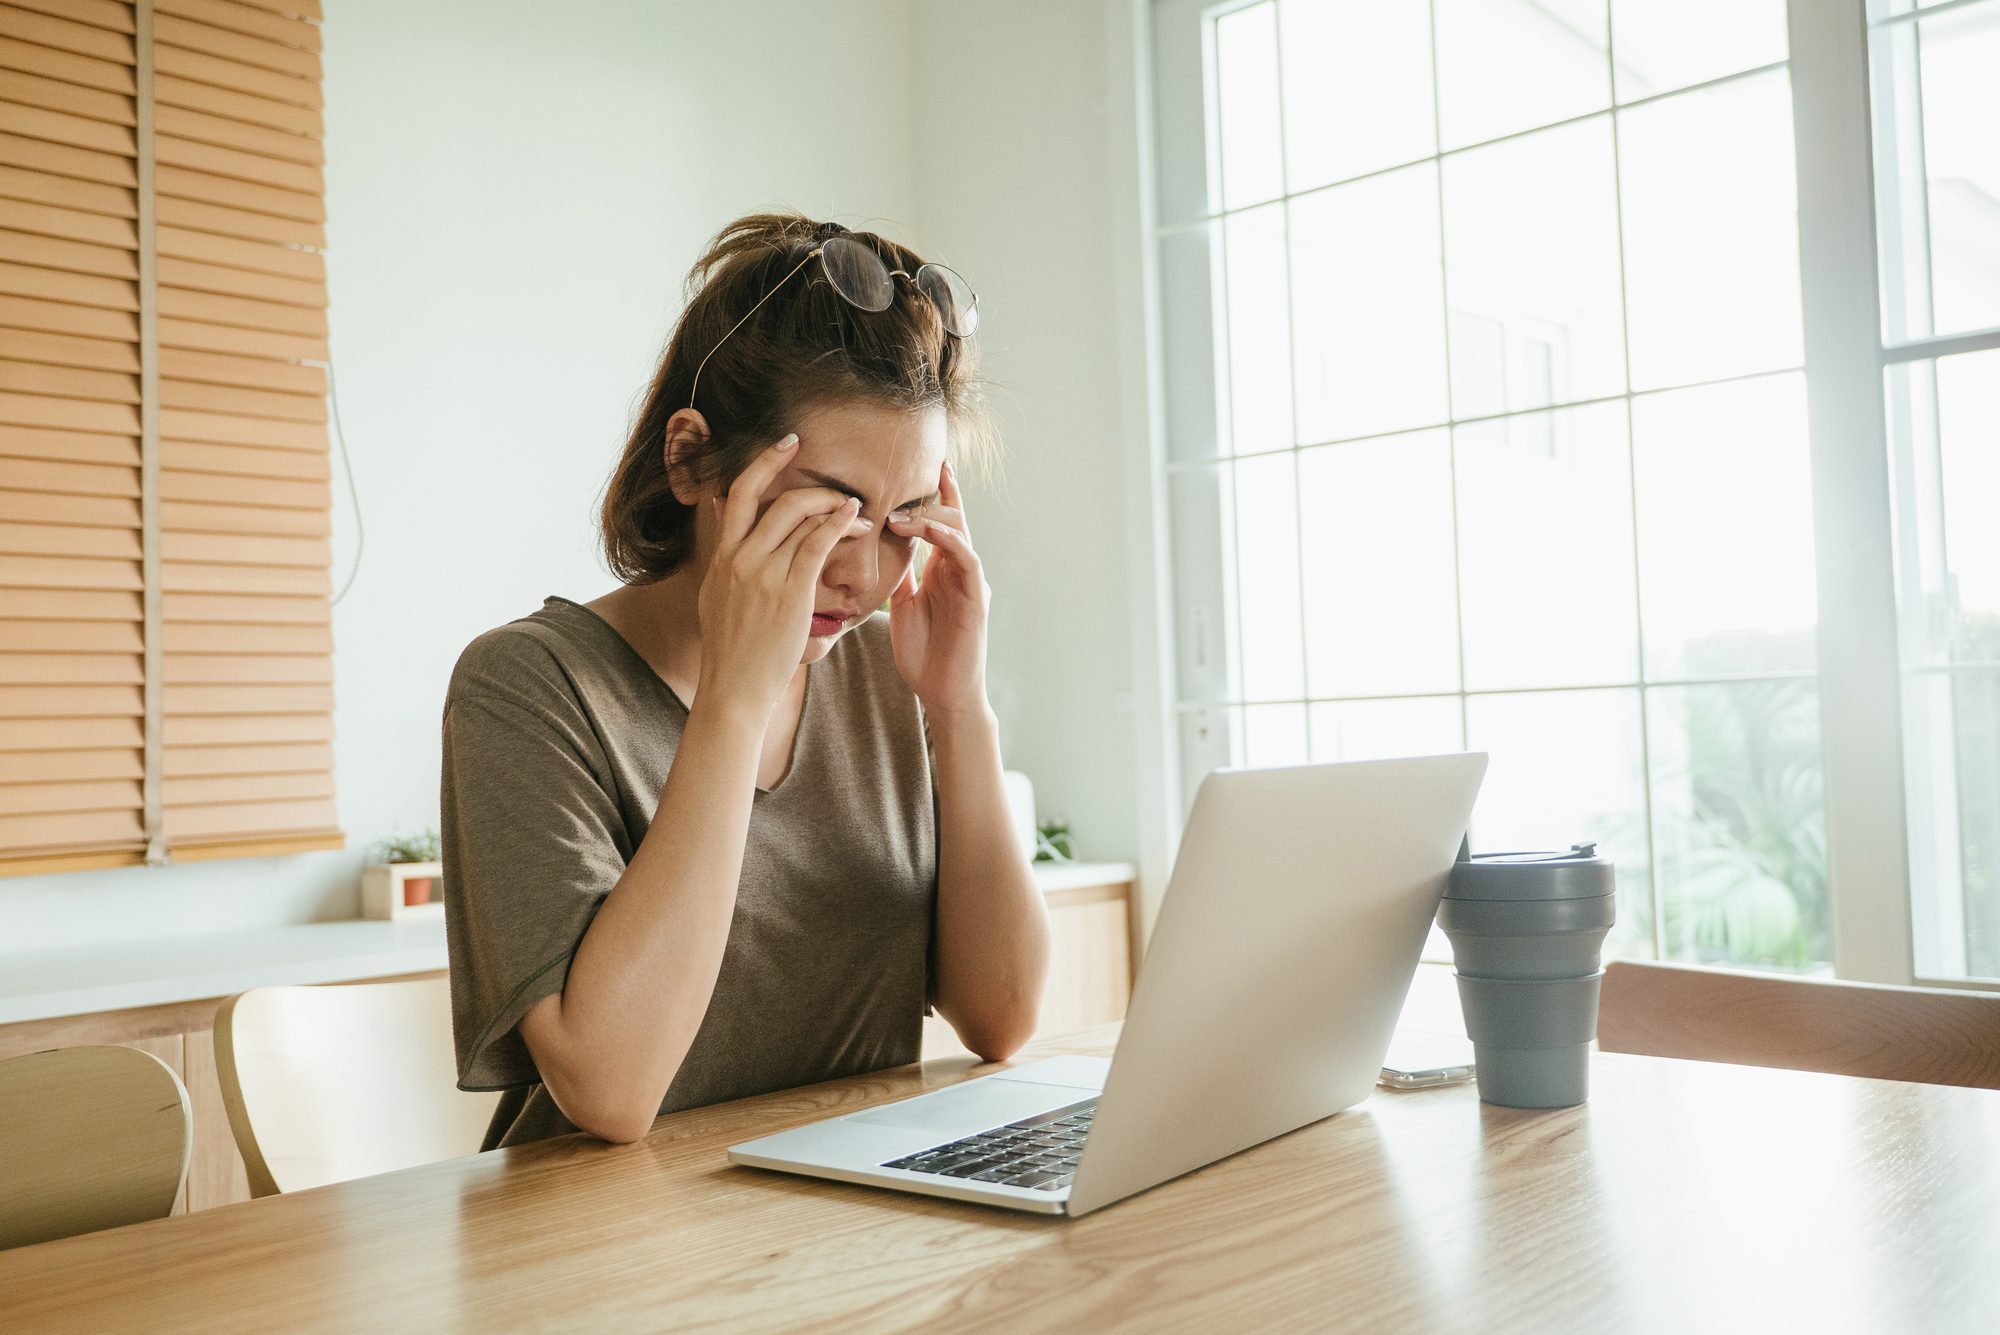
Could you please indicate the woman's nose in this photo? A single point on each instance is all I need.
(854, 562)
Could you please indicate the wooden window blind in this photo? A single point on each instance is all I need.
(166, 672)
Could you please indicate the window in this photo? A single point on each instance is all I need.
(165, 638)
(1494, 420)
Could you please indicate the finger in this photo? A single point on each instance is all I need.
(786, 515)
(808, 548)
(956, 547)
(739, 511)
(949, 493)
(911, 523)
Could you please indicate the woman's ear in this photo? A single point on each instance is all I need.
(685, 438)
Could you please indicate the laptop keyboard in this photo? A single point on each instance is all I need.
(1039, 1151)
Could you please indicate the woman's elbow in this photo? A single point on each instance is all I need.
(619, 1125)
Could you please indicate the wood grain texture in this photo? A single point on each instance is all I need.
(1802, 1024)
(1683, 1196)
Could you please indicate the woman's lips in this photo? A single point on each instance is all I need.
(825, 624)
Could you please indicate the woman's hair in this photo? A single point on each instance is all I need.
(804, 347)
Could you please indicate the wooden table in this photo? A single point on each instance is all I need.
(1684, 1197)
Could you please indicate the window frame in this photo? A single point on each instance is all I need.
(1859, 672)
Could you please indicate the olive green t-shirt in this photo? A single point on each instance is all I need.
(557, 739)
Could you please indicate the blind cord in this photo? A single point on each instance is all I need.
(347, 466)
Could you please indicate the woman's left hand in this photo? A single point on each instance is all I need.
(937, 625)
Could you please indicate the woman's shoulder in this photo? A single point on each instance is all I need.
(530, 660)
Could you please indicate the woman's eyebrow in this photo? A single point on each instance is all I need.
(827, 480)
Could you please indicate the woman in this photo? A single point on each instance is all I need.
(728, 828)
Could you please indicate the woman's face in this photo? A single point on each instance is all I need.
(889, 458)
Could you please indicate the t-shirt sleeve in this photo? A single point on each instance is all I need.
(532, 841)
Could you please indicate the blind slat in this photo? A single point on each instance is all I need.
(238, 17)
(94, 354)
(68, 414)
(249, 196)
(35, 187)
(60, 95)
(245, 224)
(240, 819)
(245, 462)
(188, 761)
(249, 609)
(193, 276)
(201, 336)
(73, 604)
(192, 95)
(113, 14)
(50, 669)
(247, 669)
(68, 224)
(56, 317)
(224, 729)
(184, 701)
(47, 799)
(104, 637)
(242, 402)
(62, 35)
(59, 540)
(204, 127)
(66, 766)
(39, 284)
(93, 511)
(188, 517)
(180, 63)
(200, 577)
(306, 553)
(220, 429)
(225, 488)
(210, 368)
(68, 382)
(68, 129)
(72, 830)
(85, 164)
(68, 572)
(45, 734)
(274, 57)
(233, 252)
(68, 256)
(59, 477)
(242, 312)
(220, 789)
(198, 637)
(70, 702)
(109, 76)
(235, 164)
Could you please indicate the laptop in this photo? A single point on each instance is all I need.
(1280, 960)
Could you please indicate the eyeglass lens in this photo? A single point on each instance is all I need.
(859, 275)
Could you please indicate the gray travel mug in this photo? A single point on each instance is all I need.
(1526, 933)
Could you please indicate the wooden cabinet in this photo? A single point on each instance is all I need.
(1090, 960)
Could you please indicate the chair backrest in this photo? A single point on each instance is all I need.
(1923, 1034)
(341, 1081)
(90, 1137)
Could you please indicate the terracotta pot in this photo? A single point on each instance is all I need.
(417, 890)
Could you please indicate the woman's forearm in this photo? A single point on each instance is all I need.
(642, 977)
(992, 926)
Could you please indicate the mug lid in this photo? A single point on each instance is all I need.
(1577, 873)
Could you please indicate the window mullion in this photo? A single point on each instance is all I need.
(1859, 668)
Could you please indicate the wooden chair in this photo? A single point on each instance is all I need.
(90, 1137)
(341, 1081)
(1930, 1035)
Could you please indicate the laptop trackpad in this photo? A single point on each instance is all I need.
(973, 1106)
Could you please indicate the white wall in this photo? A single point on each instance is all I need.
(1020, 191)
(514, 190)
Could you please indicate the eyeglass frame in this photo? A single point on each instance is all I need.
(819, 252)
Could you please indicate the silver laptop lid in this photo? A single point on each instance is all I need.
(1285, 946)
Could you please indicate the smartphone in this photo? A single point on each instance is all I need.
(1425, 1061)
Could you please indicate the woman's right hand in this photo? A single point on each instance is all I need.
(756, 601)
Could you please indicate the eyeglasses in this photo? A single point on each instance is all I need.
(861, 277)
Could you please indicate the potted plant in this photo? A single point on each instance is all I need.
(401, 873)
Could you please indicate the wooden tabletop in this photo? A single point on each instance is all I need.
(1683, 1196)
